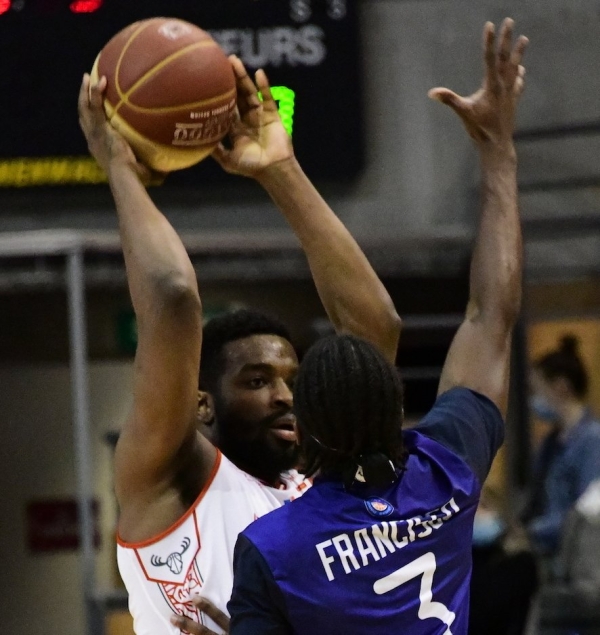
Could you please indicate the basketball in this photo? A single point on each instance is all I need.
(170, 91)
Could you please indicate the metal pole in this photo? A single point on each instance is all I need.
(520, 433)
(81, 433)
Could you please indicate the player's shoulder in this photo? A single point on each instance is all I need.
(466, 400)
(227, 478)
(462, 406)
(268, 532)
(468, 424)
(228, 469)
(284, 519)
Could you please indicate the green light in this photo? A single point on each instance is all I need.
(26, 172)
(287, 99)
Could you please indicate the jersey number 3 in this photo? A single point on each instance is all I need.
(424, 567)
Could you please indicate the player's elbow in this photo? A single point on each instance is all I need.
(392, 325)
(385, 333)
(509, 303)
(177, 289)
(498, 303)
(511, 311)
(500, 310)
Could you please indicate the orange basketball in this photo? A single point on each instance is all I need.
(170, 91)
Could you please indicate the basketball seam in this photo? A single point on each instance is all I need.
(165, 109)
(132, 37)
(124, 97)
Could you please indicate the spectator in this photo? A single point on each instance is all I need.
(570, 602)
(569, 458)
(504, 575)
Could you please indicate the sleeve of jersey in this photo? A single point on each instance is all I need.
(468, 424)
(257, 604)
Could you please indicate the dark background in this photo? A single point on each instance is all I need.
(45, 48)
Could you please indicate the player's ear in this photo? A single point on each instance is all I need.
(206, 408)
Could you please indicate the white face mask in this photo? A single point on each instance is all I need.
(487, 528)
(543, 409)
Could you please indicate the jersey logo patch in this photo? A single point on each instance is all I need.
(174, 560)
(378, 507)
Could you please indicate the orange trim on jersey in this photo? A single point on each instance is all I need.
(164, 582)
(173, 527)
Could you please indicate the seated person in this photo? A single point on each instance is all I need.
(569, 458)
(572, 597)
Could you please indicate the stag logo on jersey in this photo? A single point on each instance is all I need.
(174, 30)
(174, 561)
(378, 507)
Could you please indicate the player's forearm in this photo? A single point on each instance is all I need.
(496, 267)
(353, 296)
(158, 266)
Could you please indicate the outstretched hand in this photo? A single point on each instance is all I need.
(188, 625)
(258, 137)
(489, 114)
(105, 144)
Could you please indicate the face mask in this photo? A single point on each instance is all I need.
(542, 409)
(487, 529)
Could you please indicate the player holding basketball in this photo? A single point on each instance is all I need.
(182, 503)
(382, 542)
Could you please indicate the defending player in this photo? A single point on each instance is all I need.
(382, 542)
(182, 503)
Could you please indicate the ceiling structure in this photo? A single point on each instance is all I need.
(414, 208)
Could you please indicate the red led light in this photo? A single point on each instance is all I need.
(4, 6)
(84, 6)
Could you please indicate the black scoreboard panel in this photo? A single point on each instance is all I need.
(309, 48)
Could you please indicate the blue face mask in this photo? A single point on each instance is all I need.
(542, 409)
(487, 529)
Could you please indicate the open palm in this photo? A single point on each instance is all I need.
(489, 113)
(258, 137)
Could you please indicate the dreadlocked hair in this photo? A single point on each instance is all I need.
(348, 402)
(565, 362)
(227, 328)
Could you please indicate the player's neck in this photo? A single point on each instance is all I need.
(276, 483)
(271, 478)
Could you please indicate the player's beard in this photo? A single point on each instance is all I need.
(253, 448)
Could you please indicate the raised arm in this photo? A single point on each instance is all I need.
(479, 357)
(353, 296)
(164, 292)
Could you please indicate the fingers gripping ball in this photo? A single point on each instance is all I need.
(170, 91)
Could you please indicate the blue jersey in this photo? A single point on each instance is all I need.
(394, 560)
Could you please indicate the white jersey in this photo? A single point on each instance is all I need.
(195, 555)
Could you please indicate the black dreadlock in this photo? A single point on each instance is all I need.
(348, 401)
(565, 362)
(227, 328)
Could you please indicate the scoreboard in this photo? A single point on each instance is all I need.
(309, 49)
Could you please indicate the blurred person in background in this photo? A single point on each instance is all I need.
(569, 457)
(569, 602)
(504, 577)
